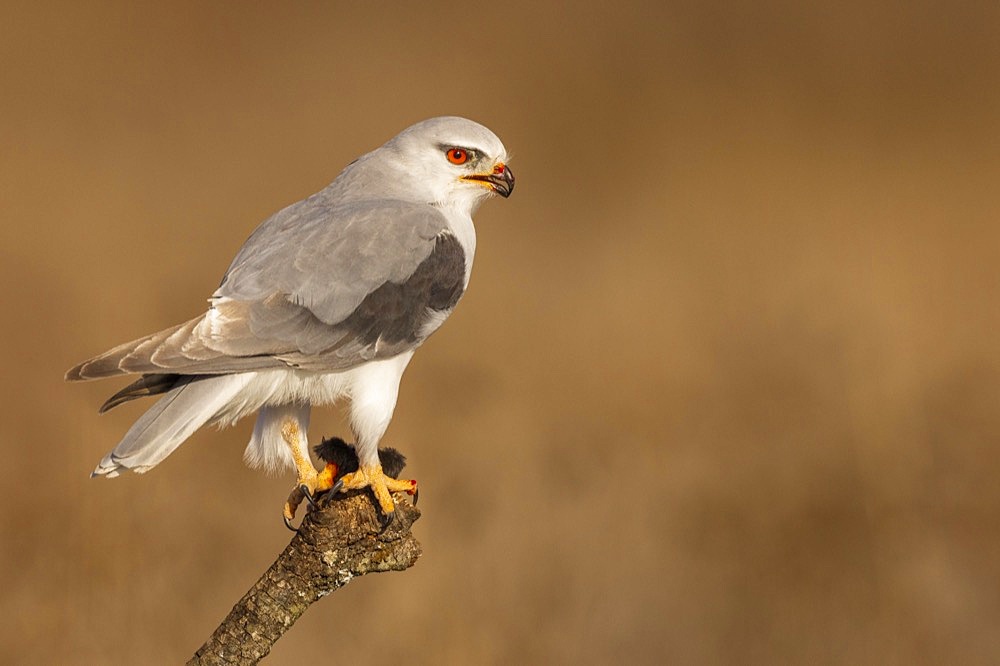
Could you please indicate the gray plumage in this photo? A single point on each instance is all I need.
(361, 272)
(288, 297)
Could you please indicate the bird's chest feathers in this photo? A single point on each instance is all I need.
(460, 225)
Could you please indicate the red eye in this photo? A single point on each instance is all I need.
(457, 156)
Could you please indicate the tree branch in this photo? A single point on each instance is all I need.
(339, 541)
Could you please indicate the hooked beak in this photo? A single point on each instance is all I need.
(500, 181)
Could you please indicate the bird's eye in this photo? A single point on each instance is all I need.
(457, 155)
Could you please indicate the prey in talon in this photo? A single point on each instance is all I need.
(327, 301)
(341, 461)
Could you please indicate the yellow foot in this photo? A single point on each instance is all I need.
(381, 485)
(308, 487)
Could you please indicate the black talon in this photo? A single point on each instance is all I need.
(337, 487)
(288, 524)
(416, 495)
(385, 519)
(304, 489)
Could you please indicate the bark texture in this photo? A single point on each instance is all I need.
(336, 543)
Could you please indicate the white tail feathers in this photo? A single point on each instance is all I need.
(175, 417)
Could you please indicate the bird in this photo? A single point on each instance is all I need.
(326, 301)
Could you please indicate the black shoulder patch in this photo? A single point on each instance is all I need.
(395, 312)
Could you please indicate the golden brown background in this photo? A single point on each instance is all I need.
(725, 387)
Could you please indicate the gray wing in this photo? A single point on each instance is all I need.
(317, 286)
(329, 257)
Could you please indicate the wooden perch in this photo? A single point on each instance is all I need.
(340, 540)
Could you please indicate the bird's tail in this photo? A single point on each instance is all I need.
(193, 402)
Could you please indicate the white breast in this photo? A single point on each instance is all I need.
(460, 224)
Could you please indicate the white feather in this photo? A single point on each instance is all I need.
(408, 168)
(170, 421)
(280, 395)
(267, 448)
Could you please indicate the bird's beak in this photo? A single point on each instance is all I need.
(501, 180)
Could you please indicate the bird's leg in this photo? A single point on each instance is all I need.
(373, 399)
(382, 485)
(309, 483)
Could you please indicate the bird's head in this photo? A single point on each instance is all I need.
(450, 161)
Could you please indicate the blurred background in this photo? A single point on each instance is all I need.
(725, 387)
